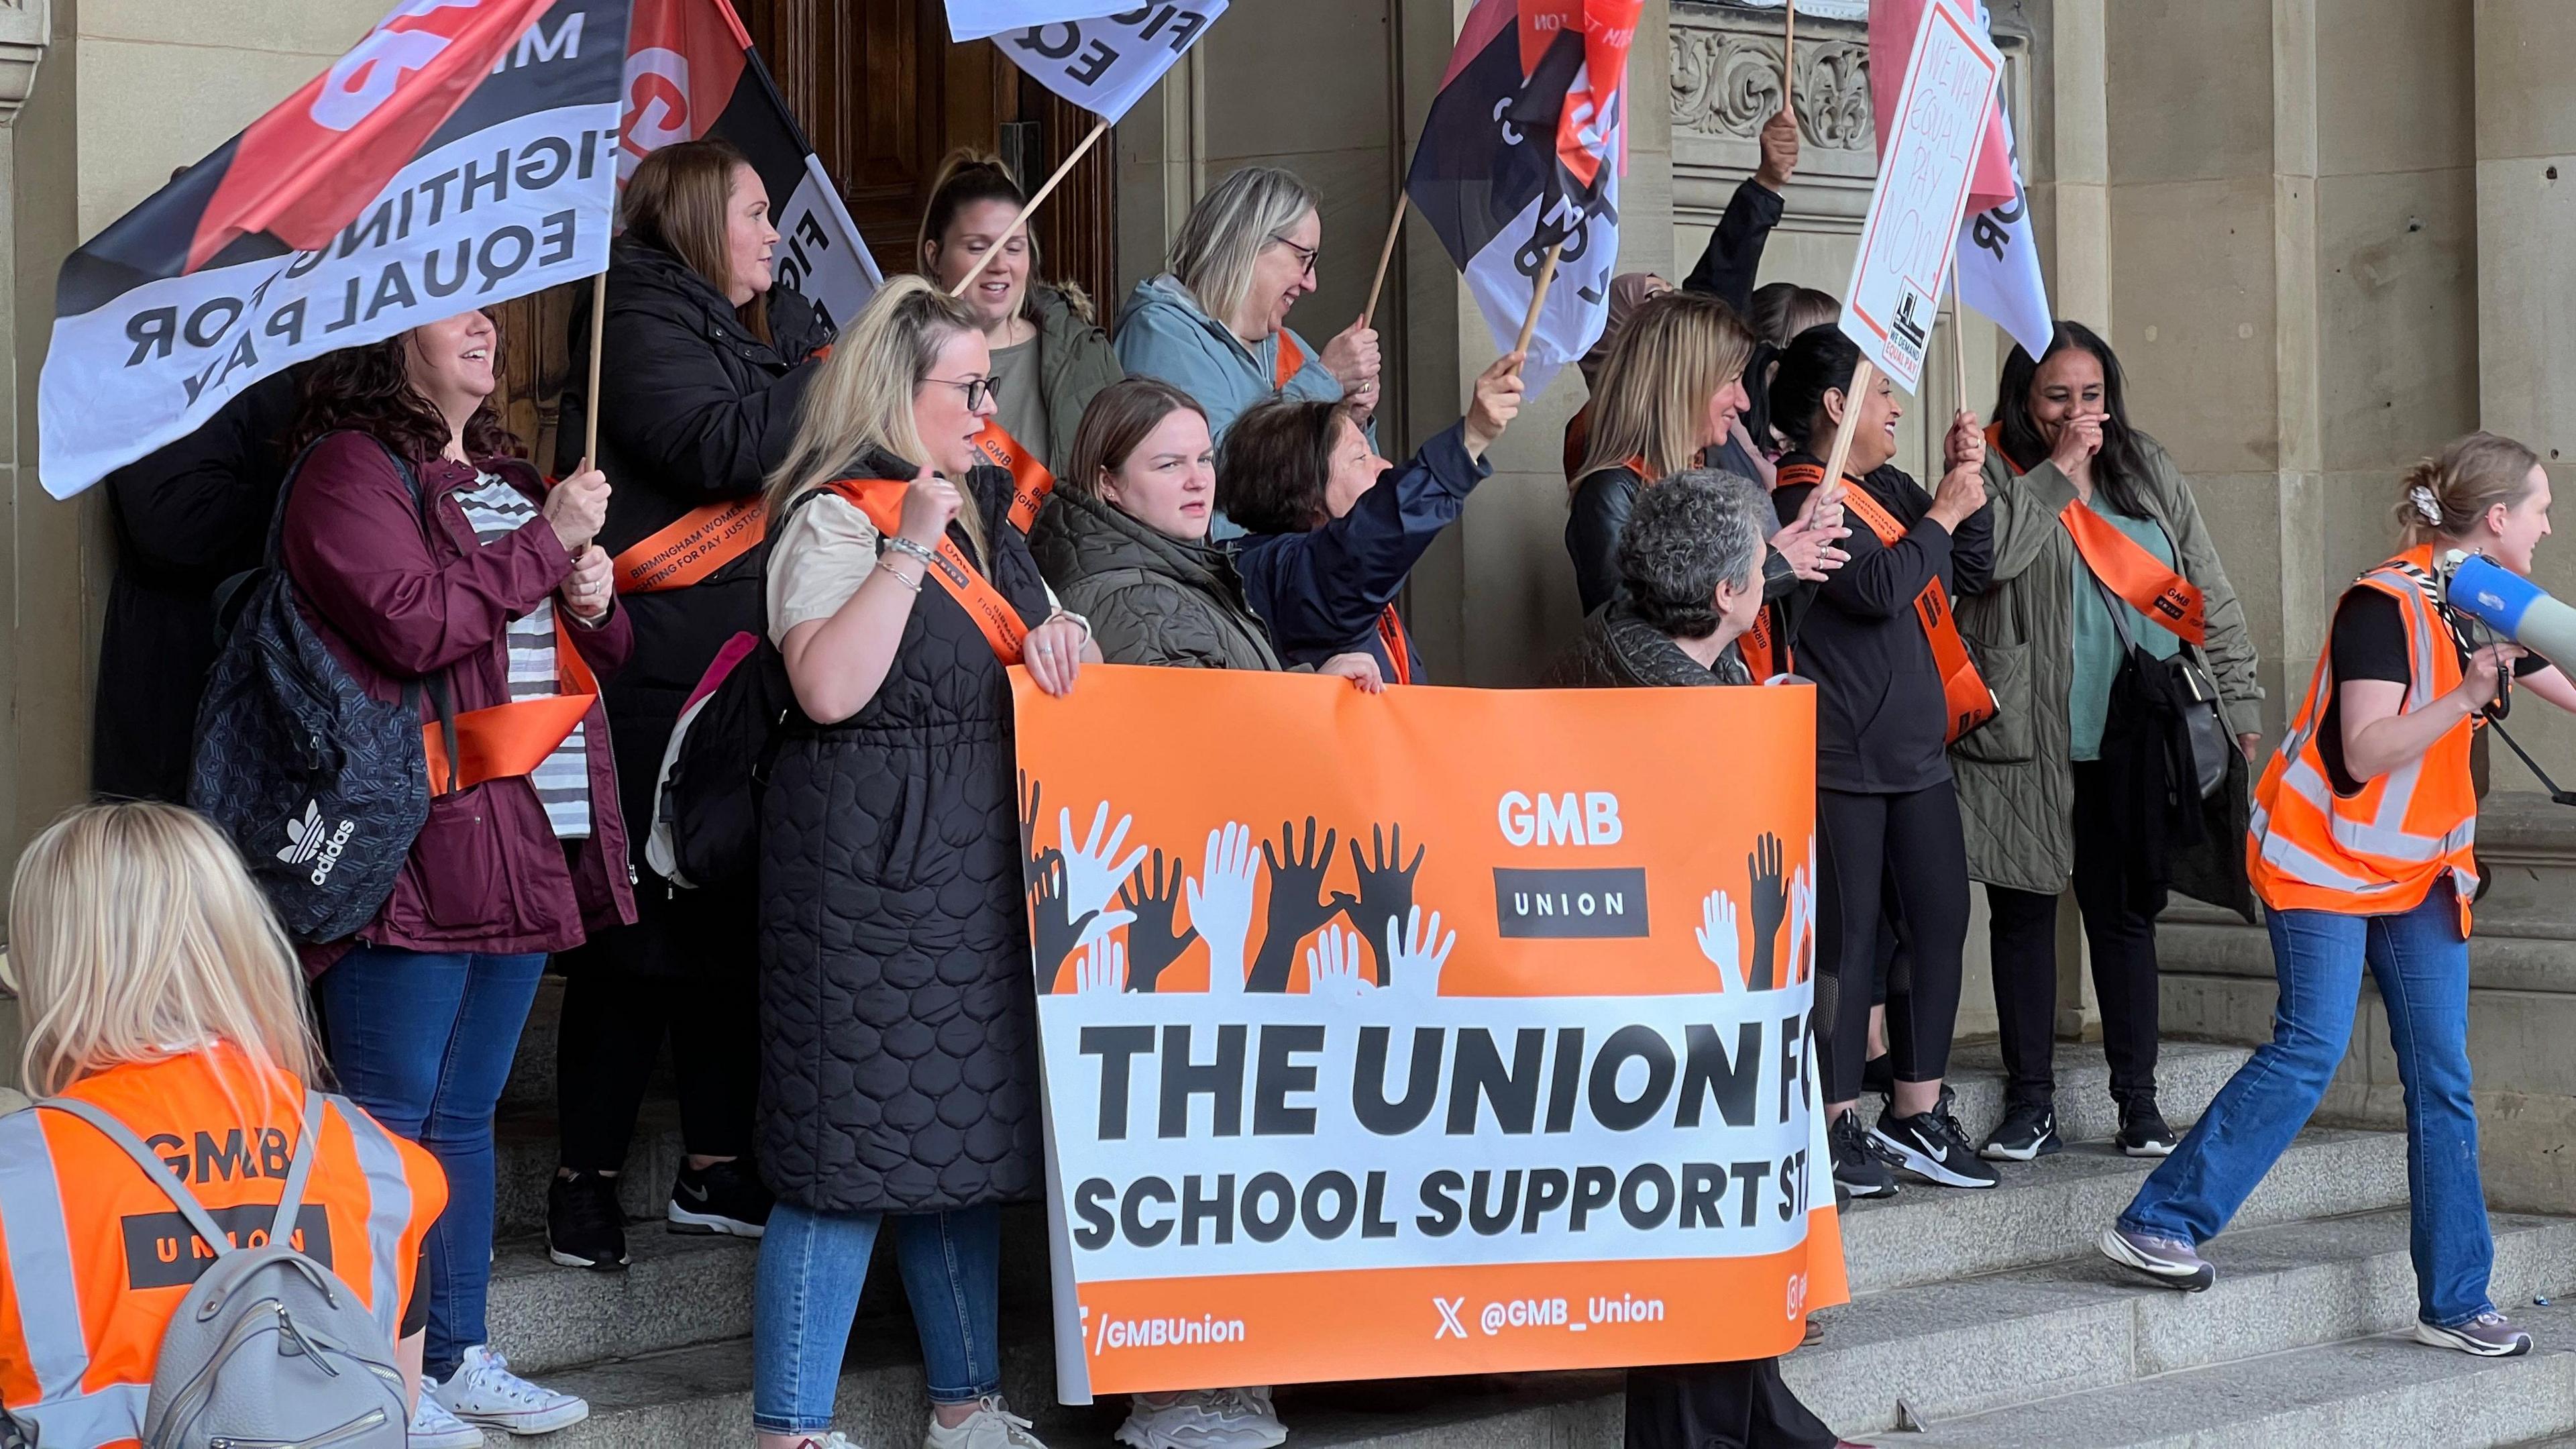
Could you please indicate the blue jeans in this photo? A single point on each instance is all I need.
(2421, 964)
(806, 1293)
(424, 1043)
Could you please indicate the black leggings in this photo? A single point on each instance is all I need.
(1867, 846)
(614, 1023)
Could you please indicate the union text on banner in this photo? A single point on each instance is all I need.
(1405, 1059)
(1911, 235)
(1522, 150)
(457, 199)
(691, 71)
(1106, 63)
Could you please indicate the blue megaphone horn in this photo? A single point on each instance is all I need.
(2512, 605)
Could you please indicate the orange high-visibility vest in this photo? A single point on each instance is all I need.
(2382, 849)
(94, 1257)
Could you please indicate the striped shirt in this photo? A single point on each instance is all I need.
(495, 510)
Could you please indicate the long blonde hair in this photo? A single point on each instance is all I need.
(1679, 349)
(137, 935)
(862, 398)
(1226, 231)
(2445, 497)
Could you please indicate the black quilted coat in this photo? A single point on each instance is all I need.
(899, 1067)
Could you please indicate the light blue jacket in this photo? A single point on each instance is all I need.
(1162, 332)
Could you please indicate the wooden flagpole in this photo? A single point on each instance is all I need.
(1959, 337)
(1789, 59)
(1097, 131)
(598, 325)
(1863, 377)
(1385, 255)
(1538, 297)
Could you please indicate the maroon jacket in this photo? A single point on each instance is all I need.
(487, 873)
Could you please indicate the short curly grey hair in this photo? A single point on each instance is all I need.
(1685, 536)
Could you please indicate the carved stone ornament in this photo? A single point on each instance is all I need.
(26, 27)
(1727, 84)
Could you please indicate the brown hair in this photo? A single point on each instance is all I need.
(368, 390)
(1116, 423)
(1782, 310)
(680, 201)
(965, 178)
(1679, 349)
(2474, 474)
(1277, 459)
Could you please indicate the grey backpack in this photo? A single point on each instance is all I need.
(269, 1350)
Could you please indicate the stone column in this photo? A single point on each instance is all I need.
(2526, 279)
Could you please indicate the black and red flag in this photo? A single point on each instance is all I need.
(692, 72)
(462, 154)
(1522, 151)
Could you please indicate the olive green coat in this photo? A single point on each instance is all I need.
(1075, 362)
(2016, 782)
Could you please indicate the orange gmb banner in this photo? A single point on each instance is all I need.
(1439, 1031)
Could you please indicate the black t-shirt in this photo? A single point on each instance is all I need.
(2369, 642)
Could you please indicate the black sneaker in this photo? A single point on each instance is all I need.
(1878, 1075)
(584, 1226)
(2143, 1132)
(723, 1198)
(1932, 1147)
(1860, 1169)
(2029, 1130)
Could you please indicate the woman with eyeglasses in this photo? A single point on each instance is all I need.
(1216, 325)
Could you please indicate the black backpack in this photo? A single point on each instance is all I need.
(320, 787)
(706, 804)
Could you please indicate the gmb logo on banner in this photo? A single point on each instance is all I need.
(1565, 904)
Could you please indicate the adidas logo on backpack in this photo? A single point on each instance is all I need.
(305, 840)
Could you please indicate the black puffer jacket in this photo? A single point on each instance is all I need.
(1619, 650)
(693, 410)
(1151, 598)
(898, 1056)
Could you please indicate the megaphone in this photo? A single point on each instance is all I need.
(2512, 605)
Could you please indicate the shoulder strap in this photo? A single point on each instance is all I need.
(118, 1133)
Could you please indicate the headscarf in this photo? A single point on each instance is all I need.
(1628, 292)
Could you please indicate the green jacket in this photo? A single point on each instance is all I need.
(1075, 362)
(2016, 782)
(1151, 598)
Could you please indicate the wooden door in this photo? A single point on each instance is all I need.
(884, 98)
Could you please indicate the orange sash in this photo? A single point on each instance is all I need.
(2127, 568)
(1963, 690)
(1289, 361)
(1399, 650)
(1030, 480)
(881, 499)
(1761, 654)
(504, 740)
(702, 541)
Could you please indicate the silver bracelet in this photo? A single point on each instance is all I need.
(904, 545)
(1065, 613)
(888, 570)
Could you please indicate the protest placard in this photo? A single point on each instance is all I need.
(1925, 169)
(1396, 1058)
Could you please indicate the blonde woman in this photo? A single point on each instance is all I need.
(898, 1010)
(1671, 389)
(1216, 325)
(1050, 358)
(2364, 853)
(157, 988)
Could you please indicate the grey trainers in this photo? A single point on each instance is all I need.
(2169, 1261)
(2489, 1335)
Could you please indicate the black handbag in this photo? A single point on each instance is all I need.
(2194, 692)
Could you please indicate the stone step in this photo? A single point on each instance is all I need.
(1962, 1347)
(2053, 1209)
(2372, 1393)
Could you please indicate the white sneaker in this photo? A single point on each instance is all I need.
(834, 1440)
(1204, 1419)
(991, 1426)
(484, 1391)
(432, 1427)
